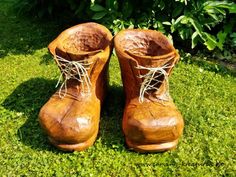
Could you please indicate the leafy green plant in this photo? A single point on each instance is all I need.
(206, 16)
(195, 21)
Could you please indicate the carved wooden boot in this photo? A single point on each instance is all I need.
(151, 121)
(71, 116)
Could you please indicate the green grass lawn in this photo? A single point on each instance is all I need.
(204, 92)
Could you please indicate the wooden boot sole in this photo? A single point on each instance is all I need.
(74, 147)
(152, 147)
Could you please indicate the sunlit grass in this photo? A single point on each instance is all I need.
(203, 92)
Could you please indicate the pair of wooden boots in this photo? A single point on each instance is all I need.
(151, 121)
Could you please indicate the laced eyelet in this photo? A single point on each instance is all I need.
(73, 70)
(152, 79)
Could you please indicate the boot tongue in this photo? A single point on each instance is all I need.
(78, 65)
(164, 62)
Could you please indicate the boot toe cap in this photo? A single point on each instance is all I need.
(154, 130)
(146, 125)
(68, 129)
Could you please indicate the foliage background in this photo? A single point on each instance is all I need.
(196, 22)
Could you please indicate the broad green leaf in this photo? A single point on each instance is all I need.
(210, 45)
(208, 26)
(213, 4)
(198, 28)
(184, 20)
(210, 41)
(220, 11)
(211, 37)
(185, 33)
(115, 5)
(233, 35)
(166, 23)
(179, 19)
(214, 16)
(99, 15)
(177, 11)
(221, 37)
(232, 9)
(194, 39)
(97, 8)
(181, 34)
(155, 25)
(220, 5)
(161, 4)
(186, 2)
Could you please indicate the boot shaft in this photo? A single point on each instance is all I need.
(146, 59)
(82, 53)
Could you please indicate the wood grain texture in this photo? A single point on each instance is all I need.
(72, 122)
(154, 124)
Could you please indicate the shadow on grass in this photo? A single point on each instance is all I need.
(28, 98)
(24, 35)
(46, 59)
(31, 95)
(111, 119)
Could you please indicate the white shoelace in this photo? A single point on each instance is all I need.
(152, 76)
(73, 70)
